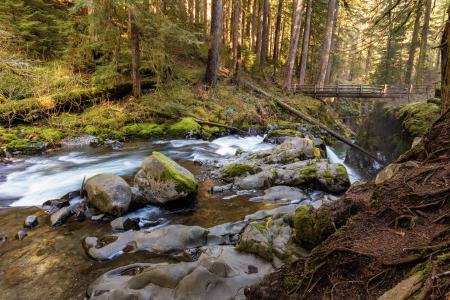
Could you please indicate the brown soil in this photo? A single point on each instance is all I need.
(404, 229)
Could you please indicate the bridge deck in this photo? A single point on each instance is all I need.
(363, 90)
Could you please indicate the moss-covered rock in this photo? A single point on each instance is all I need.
(238, 170)
(162, 180)
(312, 227)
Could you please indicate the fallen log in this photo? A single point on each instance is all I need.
(313, 122)
(224, 126)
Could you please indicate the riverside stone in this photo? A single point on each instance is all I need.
(109, 193)
(161, 180)
(277, 193)
(21, 235)
(60, 216)
(279, 210)
(221, 273)
(163, 240)
(30, 221)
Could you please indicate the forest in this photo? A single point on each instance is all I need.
(200, 149)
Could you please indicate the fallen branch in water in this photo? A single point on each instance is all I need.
(224, 126)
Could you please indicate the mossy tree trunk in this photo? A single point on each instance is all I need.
(277, 36)
(237, 41)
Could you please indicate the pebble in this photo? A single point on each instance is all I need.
(30, 221)
(21, 235)
(97, 218)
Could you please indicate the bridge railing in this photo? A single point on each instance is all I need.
(362, 89)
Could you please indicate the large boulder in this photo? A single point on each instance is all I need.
(109, 193)
(162, 180)
(277, 193)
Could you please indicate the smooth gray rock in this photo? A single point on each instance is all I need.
(30, 221)
(221, 189)
(21, 235)
(117, 224)
(277, 193)
(110, 193)
(78, 141)
(161, 180)
(163, 240)
(60, 216)
(221, 273)
(256, 239)
(222, 234)
(257, 181)
(279, 210)
(293, 148)
(97, 218)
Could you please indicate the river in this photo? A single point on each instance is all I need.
(34, 180)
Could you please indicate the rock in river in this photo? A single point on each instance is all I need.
(60, 216)
(109, 193)
(162, 180)
(164, 240)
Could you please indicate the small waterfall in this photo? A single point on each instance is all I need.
(334, 158)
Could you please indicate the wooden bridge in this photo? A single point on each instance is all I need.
(364, 90)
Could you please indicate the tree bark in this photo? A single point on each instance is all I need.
(277, 36)
(259, 30)
(134, 36)
(212, 65)
(265, 36)
(327, 42)
(369, 53)
(237, 40)
(295, 32)
(330, 62)
(412, 49)
(423, 44)
(445, 66)
(254, 24)
(305, 45)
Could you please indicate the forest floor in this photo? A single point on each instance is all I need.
(403, 232)
(166, 109)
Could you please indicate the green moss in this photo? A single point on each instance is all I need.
(7, 138)
(183, 183)
(304, 226)
(234, 170)
(145, 130)
(323, 226)
(436, 101)
(93, 177)
(260, 227)
(184, 127)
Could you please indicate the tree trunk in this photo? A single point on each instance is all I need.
(412, 49)
(254, 24)
(445, 66)
(238, 41)
(305, 45)
(330, 63)
(369, 53)
(265, 36)
(134, 36)
(259, 30)
(212, 65)
(327, 42)
(205, 14)
(423, 44)
(243, 21)
(295, 32)
(277, 36)
(197, 12)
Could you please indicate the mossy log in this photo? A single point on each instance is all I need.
(224, 126)
(311, 121)
(30, 109)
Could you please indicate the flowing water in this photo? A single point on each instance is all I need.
(34, 180)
